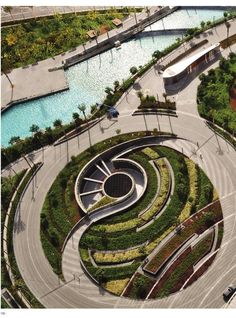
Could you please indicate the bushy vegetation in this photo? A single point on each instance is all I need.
(38, 39)
(213, 94)
(139, 287)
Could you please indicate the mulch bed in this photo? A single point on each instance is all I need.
(233, 98)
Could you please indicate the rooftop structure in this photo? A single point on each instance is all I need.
(177, 71)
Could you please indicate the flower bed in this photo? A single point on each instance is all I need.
(178, 275)
(173, 266)
(196, 224)
(168, 250)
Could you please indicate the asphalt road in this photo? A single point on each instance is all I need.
(219, 163)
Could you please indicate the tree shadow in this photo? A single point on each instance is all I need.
(19, 225)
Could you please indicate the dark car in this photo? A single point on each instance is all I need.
(229, 292)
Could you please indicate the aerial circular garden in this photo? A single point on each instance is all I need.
(146, 243)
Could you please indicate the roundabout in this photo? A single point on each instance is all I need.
(109, 243)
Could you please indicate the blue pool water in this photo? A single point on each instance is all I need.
(88, 79)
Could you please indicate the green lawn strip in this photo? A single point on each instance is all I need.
(185, 269)
(20, 284)
(105, 200)
(139, 287)
(163, 193)
(213, 94)
(29, 42)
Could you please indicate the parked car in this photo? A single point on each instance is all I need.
(229, 292)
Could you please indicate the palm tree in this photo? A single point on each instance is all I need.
(108, 90)
(116, 85)
(82, 108)
(140, 95)
(34, 129)
(57, 123)
(8, 9)
(164, 95)
(14, 140)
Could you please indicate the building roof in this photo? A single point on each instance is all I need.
(179, 67)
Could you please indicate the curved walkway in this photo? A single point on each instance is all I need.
(219, 163)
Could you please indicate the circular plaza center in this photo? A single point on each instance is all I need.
(118, 185)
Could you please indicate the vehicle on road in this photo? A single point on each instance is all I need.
(229, 292)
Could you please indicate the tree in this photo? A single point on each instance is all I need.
(140, 95)
(34, 129)
(82, 108)
(77, 119)
(57, 123)
(164, 95)
(116, 85)
(14, 140)
(108, 90)
(157, 54)
(203, 24)
(139, 285)
(133, 70)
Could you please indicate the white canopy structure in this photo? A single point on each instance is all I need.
(175, 72)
